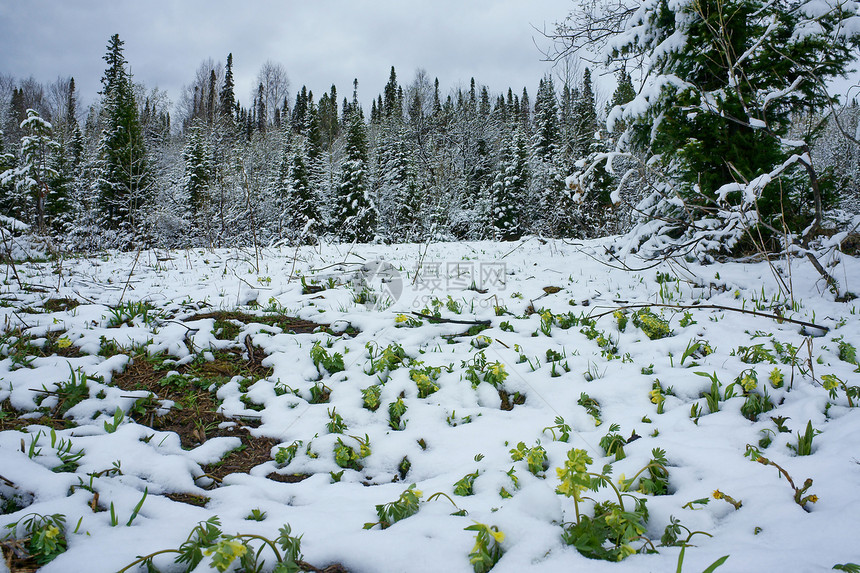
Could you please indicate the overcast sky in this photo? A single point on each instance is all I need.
(319, 42)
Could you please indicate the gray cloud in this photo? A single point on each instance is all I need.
(319, 42)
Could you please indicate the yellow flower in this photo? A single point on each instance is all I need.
(417, 492)
(656, 396)
(621, 479)
(401, 318)
(64, 342)
(718, 494)
(499, 536)
(230, 548)
(813, 498)
(53, 531)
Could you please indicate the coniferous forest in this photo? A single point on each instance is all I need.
(137, 168)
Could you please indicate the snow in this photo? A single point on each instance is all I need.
(462, 428)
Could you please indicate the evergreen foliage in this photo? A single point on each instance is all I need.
(122, 176)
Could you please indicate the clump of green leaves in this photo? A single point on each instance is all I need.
(385, 360)
(832, 383)
(405, 506)
(256, 514)
(847, 351)
(128, 312)
(71, 392)
(621, 318)
(562, 427)
(656, 478)
(396, 410)
(535, 457)
(488, 549)
(756, 402)
(320, 393)
(804, 441)
(754, 354)
(425, 379)
(285, 455)
(325, 362)
(207, 539)
(44, 536)
(406, 321)
(335, 425)
(371, 397)
(613, 443)
(477, 370)
(654, 326)
(546, 322)
(346, 456)
(591, 406)
(464, 486)
(609, 348)
(609, 532)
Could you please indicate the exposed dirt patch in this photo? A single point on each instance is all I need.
(195, 416)
(252, 452)
(198, 500)
(8, 421)
(509, 401)
(285, 323)
(60, 304)
(288, 478)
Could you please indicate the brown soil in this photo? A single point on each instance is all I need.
(60, 304)
(509, 401)
(285, 323)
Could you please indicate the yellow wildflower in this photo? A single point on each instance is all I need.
(64, 342)
(499, 536)
(52, 532)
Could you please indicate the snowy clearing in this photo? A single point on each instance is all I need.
(143, 372)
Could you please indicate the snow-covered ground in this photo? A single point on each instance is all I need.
(538, 345)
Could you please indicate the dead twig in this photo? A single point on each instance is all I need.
(776, 317)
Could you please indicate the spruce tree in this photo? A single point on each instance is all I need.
(198, 173)
(123, 178)
(227, 100)
(36, 170)
(584, 117)
(7, 181)
(301, 206)
(508, 192)
(355, 216)
(721, 101)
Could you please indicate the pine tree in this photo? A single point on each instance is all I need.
(123, 180)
